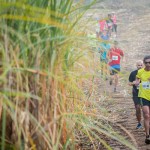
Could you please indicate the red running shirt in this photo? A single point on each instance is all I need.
(102, 25)
(115, 56)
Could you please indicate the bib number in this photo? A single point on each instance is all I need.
(114, 57)
(146, 85)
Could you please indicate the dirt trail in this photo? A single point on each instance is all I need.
(134, 39)
(122, 113)
(121, 116)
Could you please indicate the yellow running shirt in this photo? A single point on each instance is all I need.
(144, 90)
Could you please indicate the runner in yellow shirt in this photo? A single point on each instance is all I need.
(143, 75)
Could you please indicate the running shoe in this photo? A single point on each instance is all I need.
(147, 140)
(138, 126)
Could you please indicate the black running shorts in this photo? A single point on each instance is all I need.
(144, 102)
(136, 100)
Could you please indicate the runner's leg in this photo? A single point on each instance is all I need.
(138, 112)
(146, 115)
(116, 80)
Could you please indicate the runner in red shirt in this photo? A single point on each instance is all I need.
(115, 54)
(103, 25)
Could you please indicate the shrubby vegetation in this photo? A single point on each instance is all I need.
(44, 61)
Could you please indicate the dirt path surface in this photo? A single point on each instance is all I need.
(122, 113)
(120, 116)
(134, 39)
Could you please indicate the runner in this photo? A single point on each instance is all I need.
(103, 25)
(97, 28)
(143, 76)
(109, 22)
(114, 27)
(115, 55)
(136, 100)
(103, 50)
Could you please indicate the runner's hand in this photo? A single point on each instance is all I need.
(136, 83)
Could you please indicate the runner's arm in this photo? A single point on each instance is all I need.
(131, 79)
(132, 83)
(137, 81)
(122, 55)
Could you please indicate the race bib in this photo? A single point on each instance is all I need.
(114, 57)
(146, 85)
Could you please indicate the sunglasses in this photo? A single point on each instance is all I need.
(147, 62)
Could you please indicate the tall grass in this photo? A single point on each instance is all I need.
(45, 56)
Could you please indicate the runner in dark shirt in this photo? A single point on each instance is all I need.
(135, 90)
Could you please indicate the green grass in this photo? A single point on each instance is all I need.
(45, 60)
